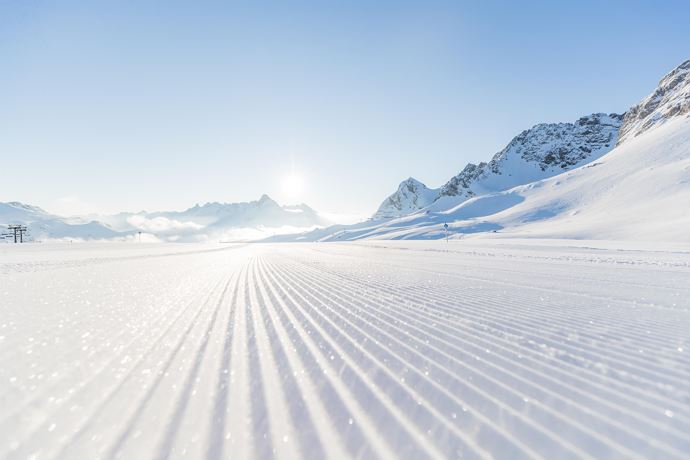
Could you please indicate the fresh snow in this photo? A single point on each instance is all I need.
(473, 349)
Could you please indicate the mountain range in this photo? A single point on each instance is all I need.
(209, 222)
(543, 151)
(603, 176)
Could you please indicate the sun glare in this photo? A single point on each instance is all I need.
(293, 186)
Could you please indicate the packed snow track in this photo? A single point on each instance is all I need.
(498, 349)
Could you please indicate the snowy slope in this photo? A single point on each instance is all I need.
(638, 190)
(43, 225)
(465, 349)
(641, 191)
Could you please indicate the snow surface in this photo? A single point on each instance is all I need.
(423, 349)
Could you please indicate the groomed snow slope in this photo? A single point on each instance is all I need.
(510, 349)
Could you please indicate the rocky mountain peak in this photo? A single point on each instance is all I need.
(670, 99)
(562, 145)
(462, 183)
(542, 151)
(411, 185)
(411, 196)
(265, 200)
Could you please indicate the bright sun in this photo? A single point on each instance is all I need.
(293, 185)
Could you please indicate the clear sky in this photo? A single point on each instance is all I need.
(128, 105)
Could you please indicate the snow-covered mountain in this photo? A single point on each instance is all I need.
(579, 180)
(265, 212)
(411, 196)
(211, 221)
(640, 191)
(542, 151)
(19, 213)
(43, 225)
(215, 220)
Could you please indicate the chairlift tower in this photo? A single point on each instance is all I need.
(16, 231)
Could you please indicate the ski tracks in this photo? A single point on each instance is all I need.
(302, 351)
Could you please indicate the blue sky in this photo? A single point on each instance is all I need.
(129, 105)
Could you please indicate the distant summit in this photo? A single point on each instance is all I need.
(411, 196)
(221, 221)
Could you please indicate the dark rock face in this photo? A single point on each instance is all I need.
(461, 184)
(563, 144)
(670, 99)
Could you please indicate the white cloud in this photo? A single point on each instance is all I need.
(161, 224)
